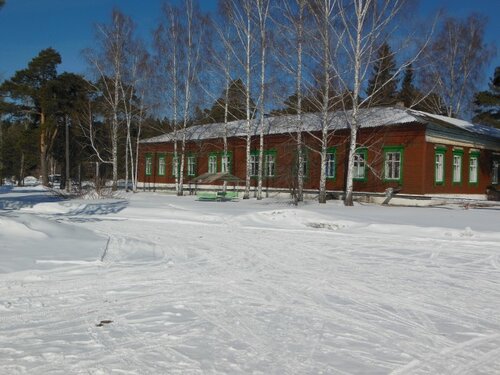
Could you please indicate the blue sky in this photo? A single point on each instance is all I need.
(28, 26)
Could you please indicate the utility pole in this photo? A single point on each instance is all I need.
(68, 180)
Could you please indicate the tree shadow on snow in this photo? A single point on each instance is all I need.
(99, 208)
(26, 198)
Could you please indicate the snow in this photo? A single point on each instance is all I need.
(311, 122)
(152, 283)
(489, 131)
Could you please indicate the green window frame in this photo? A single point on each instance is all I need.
(254, 163)
(439, 165)
(162, 165)
(212, 162)
(393, 163)
(360, 163)
(495, 171)
(175, 162)
(148, 164)
(331, 163)
(226, 166)
(305, 163)
(457, 166)
(191, 165)
(270, 163)
(473, 167)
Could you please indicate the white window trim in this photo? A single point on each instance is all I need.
(439, 168)
(392, 168)
(457, 168)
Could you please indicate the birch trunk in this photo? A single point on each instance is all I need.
(246, 195)
(300, 157)
(262, 10)
(326, 99)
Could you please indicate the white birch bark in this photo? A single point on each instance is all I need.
(262, 12)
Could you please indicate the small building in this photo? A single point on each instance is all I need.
(415, 152)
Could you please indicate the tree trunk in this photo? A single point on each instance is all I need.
(325, 104)
(246, 195)
(68, 180)
(43, 151)
(348, 199)
(114, 151)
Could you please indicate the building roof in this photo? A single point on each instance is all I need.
(311, 122)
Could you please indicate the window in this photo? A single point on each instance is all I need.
(305, 164)
(226, 162)
(473, 165)
(149, 165)
(161, 165)
(439, 165)
(175, 166)
(254, 164)
(212, 163)
(393, 159)
(191, 165)
(457, 166)
(270, 163)
(359, 171)
(330, 163)
(495, 171)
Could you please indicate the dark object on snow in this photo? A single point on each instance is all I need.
(389, 193)
(103, 322)
(492, 193)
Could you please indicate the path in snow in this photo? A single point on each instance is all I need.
(256, 287)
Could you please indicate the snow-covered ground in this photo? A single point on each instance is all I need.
(157, 284)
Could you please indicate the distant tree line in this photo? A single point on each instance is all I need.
(248, 59)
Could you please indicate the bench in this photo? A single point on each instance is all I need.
(207, 196)
(217, 196)
(228, 195)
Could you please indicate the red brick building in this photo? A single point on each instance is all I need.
(417, 152)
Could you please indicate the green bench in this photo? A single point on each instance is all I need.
(228, 195)
(217, 196)
(207, 196)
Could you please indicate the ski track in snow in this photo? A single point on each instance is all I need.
(238, 288)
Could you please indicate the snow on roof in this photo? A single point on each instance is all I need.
(462, 124)
(311, 122)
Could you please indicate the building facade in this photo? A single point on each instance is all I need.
(414, 152)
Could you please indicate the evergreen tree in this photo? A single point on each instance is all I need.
(237, 104)
(487, 103)
(28, 93)
(382, 86)
(408, 92)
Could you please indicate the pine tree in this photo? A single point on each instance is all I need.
(237, 104)
(408, 92)
(382, 86)
(488, 103)
(27, 89)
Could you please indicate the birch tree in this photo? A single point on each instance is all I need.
(133, 90)
(262, 8)
(292, 28)
(221, 53)
(167, 40)
(454, 63)
(179, 41)
(240, 16)
(324, 11)
(364, 27)
(108, 63)
(195, 25)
